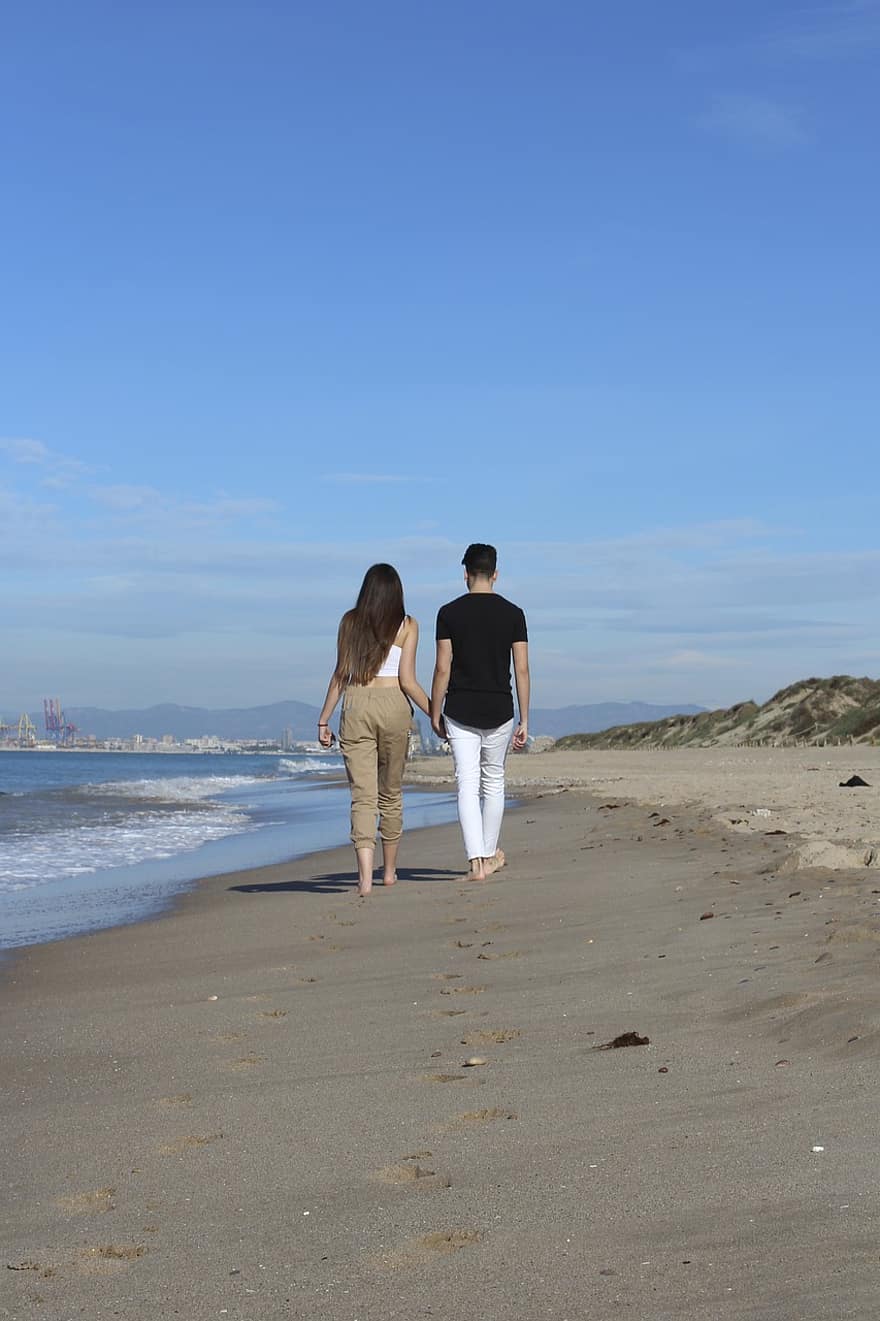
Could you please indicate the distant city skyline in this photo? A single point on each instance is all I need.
(302, 288)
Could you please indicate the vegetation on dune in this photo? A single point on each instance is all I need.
(839, 709)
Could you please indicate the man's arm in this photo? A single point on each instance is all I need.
(523, 692)
(439, 685)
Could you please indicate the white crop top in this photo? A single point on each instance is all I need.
(390, 667)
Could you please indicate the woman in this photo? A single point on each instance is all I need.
(375, 675)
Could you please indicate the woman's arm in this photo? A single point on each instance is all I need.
(406, 675)
(334, 692)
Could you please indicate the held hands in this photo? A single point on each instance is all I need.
(439, 728)
(520, 736)
(326, 737)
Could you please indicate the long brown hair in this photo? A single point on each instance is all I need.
(367, 631)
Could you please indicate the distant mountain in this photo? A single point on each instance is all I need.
(256, 722)
(269, 722)
(810, 711)
(601, 715)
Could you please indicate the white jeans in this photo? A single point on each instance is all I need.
(479, 769)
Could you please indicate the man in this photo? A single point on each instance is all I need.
(477, 634)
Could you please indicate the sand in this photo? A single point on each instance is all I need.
(259, 1105)
(795, 790)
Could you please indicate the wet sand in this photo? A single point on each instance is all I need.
(259, 1105)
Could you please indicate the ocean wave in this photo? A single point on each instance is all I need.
(310, 765)
(56, 854)
(174, 789)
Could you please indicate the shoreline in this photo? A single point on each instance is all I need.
(159, 751)
(177, 876)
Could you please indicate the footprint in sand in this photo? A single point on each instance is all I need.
(413, 1174)
(448, 1013)
(117, 1251)
(246, 1062)
(94, 1201)
(441, 1243)
(188, 1142)
(44, 1271)
(483, 1116)
(274, 1013)
(510, 954)
(496, 1034)
(446, 976)
(464, 990)
(182, 1098)
(108, 1258)
(463, 944)
(444, 1077)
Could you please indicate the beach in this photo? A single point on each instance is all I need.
(260, 1103)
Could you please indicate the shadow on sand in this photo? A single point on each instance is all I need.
(339, 881)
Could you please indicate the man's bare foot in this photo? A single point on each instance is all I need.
(391, 879)
(363, 890)
(483, 868)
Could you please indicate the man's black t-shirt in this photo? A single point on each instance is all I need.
(482, 628)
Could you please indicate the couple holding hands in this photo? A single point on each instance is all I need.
(471, 705)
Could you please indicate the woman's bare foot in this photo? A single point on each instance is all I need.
(389, 860)
(495, 863)
(365, 871)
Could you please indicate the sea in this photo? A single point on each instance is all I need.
(91, 840)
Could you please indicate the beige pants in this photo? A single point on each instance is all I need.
(373, 735)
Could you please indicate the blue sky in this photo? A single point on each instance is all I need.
(290, 288)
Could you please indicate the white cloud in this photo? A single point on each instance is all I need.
(56, 469)
(20, 449)
(688, 660)
(643, 616)
(126, 498)
(756, 121)
(145, 504)
(224, 508)
(22, 522)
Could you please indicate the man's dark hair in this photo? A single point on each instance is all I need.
(480, 560)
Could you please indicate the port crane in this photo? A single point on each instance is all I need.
(58, 728)
(22, 734)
